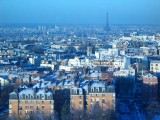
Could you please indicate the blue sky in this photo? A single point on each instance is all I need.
(80, 11)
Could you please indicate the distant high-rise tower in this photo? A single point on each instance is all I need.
(89, 49)
(107, 28)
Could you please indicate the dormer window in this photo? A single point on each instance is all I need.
(86, 91)
(97, 89)
(31, 97)
(49, 97)
(80, 92)
(40, 96)
(92, 90)
(103, 89)
(23, 96)
(37, 97)
(75, 92)
(20, 97)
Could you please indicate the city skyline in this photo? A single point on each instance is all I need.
(79, 12)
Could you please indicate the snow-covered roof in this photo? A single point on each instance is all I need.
(41, 91)
(95, 74)
(98, 84)
(13, 93)
(149, 76)
(23, 86)
(27, 91)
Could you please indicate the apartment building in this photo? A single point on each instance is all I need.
(155, 65)
(29, 100)
(150, 88)
(92, 93)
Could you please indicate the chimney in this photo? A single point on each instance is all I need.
(30, 79)
(35, 89)
(78, 84)
(63, 82)
(46, 90)
(84, 71)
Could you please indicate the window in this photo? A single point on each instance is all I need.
(26, 111)
(92, 94)
(20, 107)
(92, 90)
(26, 107)
(26, 97)
(80, 96)
(97, 99)
(103, 95)
(37, 97)
(80, 102)
(31, 111)
(75, 92)
(23, 96)
(42, 102)
(103, 106)
(31, 97)
(32, 107)
(49, 97)
(103, 100)
(10, 111)
(80, 107)
(10, 106)
(43, 107)
(20, 112)
(97, 90)
(103, 89)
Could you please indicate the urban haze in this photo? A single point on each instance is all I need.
(79, 60)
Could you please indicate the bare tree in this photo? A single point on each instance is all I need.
(79, 114)
(37, 115)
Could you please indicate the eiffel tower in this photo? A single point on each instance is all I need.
(107, 28)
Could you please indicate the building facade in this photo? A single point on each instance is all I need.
(155, 65)
(150, 88)
(29, 100)
(91, 94)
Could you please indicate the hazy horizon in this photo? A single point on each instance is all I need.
(133, 12)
